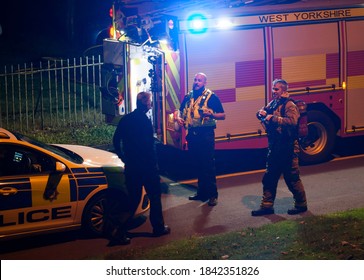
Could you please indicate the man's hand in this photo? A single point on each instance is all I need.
(262, 113)
(207, 113)
(267, 118)
(177, 118)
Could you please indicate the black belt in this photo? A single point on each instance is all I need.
(200, 129)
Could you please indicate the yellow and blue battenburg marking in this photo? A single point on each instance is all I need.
(23, 197)
(72, 187)
(87, 180)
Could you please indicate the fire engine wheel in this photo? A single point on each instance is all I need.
(101, 213)
(318, 145)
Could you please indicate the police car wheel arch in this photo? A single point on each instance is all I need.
(104, 208)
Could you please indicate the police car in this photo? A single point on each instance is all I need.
(45, 188)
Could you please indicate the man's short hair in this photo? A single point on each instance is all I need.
(142, 98)
(202, 74)
(281, 81)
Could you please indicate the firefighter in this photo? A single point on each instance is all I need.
(134, 144)
(283, 151)
(198, 113)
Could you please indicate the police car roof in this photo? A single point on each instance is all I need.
(5, 134)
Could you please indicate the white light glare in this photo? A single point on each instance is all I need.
(197, 24)
(224, 23)
(163, 41)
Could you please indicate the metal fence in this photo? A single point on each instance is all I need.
(51, 93)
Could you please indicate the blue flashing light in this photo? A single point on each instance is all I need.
(197, 24)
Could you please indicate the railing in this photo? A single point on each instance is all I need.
(52, 93)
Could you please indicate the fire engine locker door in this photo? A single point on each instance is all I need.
(170, 97)
(234, 62)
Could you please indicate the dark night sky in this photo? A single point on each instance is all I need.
(65, 28)
(51, 27)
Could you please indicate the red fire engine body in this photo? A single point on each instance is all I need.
(318, 50)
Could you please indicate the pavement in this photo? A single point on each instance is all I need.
(330, 187)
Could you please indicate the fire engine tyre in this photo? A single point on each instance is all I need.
(320, 141)
(97, 219)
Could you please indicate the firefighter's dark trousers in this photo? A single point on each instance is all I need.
(282, 158)
(201, 148)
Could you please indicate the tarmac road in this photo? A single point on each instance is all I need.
(333, 186)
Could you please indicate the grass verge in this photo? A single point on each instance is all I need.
(86, 134)
(336, 236)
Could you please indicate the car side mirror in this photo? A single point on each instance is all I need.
(60, 167)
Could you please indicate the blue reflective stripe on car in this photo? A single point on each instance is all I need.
(21, 199)
(95, 169)
(85, 191)
(73, 188)
(79, 170)
(82, 181)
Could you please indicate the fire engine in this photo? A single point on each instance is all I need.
(242, 49)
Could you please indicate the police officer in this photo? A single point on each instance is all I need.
(198, 113)
(283, 151)
(134, 144)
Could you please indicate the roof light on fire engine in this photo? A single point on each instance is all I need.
(224, 23)
(197, 23)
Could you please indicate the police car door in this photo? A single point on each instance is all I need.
(33, 195)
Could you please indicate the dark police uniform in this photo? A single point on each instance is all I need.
(135, 130)
(201, 138)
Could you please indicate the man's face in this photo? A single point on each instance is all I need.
(147, 104)
(277, 90)
(199, 82)
(144, 102)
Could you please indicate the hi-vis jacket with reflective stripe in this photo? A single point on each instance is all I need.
(193, 108)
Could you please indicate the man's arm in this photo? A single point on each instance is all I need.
(177, 113)
(287, 118)
(219, 116)
(216, 116)
(118, 143)
(218, 110)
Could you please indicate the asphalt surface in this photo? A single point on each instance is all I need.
(331, 187)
